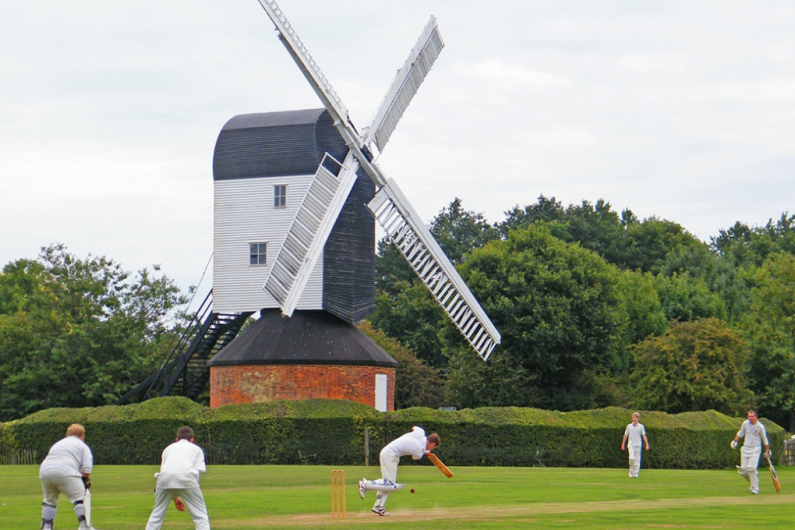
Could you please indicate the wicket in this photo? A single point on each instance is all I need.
(338, 494)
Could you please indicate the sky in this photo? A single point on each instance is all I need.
(109, 111)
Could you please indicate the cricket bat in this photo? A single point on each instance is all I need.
(438, 463)
(87, 506)
(773, 474)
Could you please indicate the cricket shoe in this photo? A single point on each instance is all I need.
(380, 511)
(362, 489)
(755, 492)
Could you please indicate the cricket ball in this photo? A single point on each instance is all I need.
(412, 490)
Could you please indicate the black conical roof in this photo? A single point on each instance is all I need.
(308, 337)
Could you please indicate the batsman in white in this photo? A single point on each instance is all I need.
(413, 443)
(181, 463)
(755, 435)
(66, 470)
(636, 434)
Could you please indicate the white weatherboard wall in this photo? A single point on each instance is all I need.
(244, 214)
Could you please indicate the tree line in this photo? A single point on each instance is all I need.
(595, 308)
(600, 308)
(80, 332)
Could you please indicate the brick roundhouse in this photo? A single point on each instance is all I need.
(311, 355)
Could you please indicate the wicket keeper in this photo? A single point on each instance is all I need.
(181, 463)
(636, 433)
(755, 435)
(415, 444)
(66, 470)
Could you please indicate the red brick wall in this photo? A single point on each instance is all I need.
(270, 382)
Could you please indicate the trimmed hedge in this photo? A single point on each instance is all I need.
(332, 432)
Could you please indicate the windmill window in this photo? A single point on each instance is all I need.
(258, 253)
(280, 196)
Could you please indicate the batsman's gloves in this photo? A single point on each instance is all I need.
(86, 482)
(734, 444)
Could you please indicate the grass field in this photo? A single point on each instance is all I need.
(250, 497)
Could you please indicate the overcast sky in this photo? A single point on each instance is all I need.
(109, 111)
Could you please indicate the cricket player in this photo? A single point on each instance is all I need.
(415, 444)
(66, 470)
(636, 434)
(181, 463)
(755, 435)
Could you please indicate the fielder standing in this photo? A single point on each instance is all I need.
(65, 470)
(415, 444)
(180, 466)
(636, 433)
(755, 435)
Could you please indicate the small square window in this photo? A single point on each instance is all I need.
(280, 196)
(258, 253)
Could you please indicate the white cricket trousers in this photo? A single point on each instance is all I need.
(634, 460)
(194, 503)
(389, 466)
(749, 461)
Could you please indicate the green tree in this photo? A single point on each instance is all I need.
(693, 366)
(78, 332)
(417, 384)
(415, 317)
(770, 330)
(622, 239)
(718, 272)
(686, 298)
(747, 246)
(650, 242)
(558, 309)
(641, 304)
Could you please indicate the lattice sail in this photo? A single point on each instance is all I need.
(405, 85)
(310, 230)
(417, 245)
(304, 60)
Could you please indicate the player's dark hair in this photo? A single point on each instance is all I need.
(434, 439)
(184, 433)
(755, 412)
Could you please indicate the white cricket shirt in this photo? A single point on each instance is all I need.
(754, 434)
(635, 435)
(412, 443)
(180, 466)
(69, 457)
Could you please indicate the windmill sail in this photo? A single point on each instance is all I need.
(405, 85)
(310, 230)
(304, 60)
(415, 242)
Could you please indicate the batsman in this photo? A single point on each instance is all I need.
(414, 443)
(755, 436)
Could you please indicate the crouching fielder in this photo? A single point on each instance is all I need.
(66, 470)
(180, 466)
(415, 444)
(636, 434)
(755, 435)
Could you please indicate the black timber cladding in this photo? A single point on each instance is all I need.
(289, 143)
(275, 144)
(308, 337)
(349, 257)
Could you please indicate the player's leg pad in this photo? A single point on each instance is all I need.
(80, 512)
(384, 485)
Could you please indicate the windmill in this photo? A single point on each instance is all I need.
(309, 231)
(327, 194)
